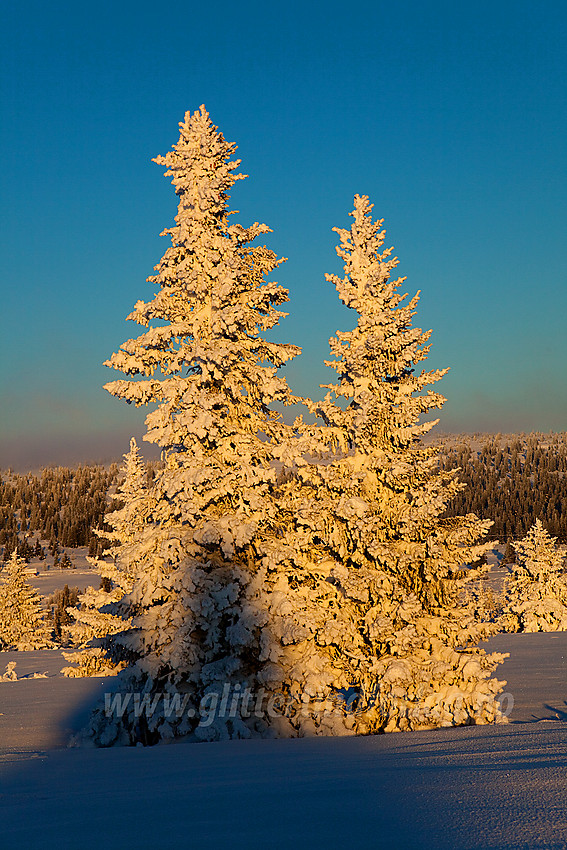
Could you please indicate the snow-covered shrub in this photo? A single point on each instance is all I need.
(92, 661)
(535, 592)
(10, 674)
(22, 617)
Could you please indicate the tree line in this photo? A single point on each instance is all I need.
(513, 480)
(60, 505)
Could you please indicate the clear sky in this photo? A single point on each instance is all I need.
(450, 116)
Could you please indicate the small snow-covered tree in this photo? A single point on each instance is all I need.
(94, 616)
(22, 621)
(377, 613)
(535, 592)
(204, 362)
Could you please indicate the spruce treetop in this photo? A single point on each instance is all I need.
(375, 361)
(383, 486)
(204, 356)
(127, 522)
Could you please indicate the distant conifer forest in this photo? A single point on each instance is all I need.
(59, 507)
(511, 479)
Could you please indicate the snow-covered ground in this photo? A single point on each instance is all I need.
(48, 582)
(42, 714)
(485, 786)
(49, 579)
(462, 788)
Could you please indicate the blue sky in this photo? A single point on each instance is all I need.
(450, 117)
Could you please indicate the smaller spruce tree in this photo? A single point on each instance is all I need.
(96, 617)
(535, 593)
(370, 598)
(22, 624)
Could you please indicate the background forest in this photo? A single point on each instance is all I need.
(511, 479)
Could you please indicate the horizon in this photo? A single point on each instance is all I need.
(450, 119)
(28, 463)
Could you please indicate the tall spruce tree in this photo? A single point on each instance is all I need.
(378, 611)
(212, 376)
(22, 620)
(535, 593)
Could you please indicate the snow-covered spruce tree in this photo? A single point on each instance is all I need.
(94, 615)
(22, 623)
(212, 376)
(535, 593)
(378, 610)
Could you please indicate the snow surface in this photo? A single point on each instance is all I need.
(472, 787)
(50, 581)
(460, 788)
(42, 714)
(536, 673)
